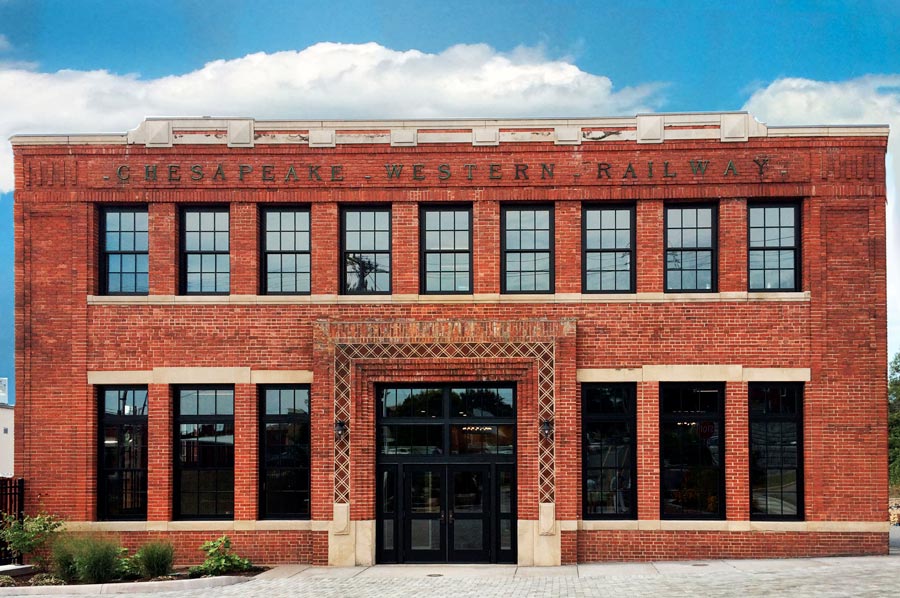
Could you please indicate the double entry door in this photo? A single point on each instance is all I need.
(447, 513)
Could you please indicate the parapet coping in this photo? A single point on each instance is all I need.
(726, 127)
(479, 298)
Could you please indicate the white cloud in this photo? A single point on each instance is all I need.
(873, 99)
(326, 80)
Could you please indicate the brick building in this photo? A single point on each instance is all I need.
(532, 341)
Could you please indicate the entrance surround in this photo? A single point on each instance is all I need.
(350, 358)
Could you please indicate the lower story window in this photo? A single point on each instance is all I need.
(608, 418)
(692, 438)
(284, 449)
(204, 453)
(123, 453)
(776, 463)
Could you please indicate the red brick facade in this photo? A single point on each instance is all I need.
(833, 328)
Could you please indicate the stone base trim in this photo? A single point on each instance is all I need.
(197, 526)
(693, 373)
(729, 526)
(537, 549)
(177, 375)
(477, 298)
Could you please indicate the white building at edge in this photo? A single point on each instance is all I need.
(7, 436)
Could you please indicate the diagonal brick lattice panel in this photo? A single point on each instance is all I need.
(354, 341)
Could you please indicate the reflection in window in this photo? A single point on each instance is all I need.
(690, 249)
(206, 262)
(776, 464)
(527, 261)
(123, 457)
(691, 448)
(411, 439)
(774, 242)
(204, 458)
(446, 253)
(609, 450)
(284, 447)
(608, 250)
(126, 252)
(286, 249)
(481, 439)
(481, 402)
(367, 251)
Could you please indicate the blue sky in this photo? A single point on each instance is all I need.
(69, 66)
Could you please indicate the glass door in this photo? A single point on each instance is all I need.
(425, 513)
(469, 517)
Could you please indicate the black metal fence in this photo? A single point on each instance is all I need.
(12, 499)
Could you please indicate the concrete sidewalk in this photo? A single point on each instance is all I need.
(875, 576)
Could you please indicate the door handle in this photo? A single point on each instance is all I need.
(451, 517)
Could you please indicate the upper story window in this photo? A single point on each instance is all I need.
(691, 249)
(776, 450)
(609, 250)
(446, 250)
(366, 245)
(527, 249)
(610, 441)
(286, 251)
(122, 476)
(206, 263)
(774, 243)
(125, 252)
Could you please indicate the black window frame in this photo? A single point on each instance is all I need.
(713, 247)
(105, 251)
(264, 419)
(767, 418)
(104, 419)
(720, 419)
(424, 252)
(632, 251)
(265, 252)
(629, 418)
(796, 248)
(183, 261)
(342, 265)
(446, 421)
(179, 419)
(504, 211)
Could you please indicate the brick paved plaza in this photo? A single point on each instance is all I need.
(798, 578)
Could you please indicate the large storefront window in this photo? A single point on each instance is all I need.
(776, 451)
(692, 439)
(608, 418)
(284, 450)
(204, 453)
(122, 477)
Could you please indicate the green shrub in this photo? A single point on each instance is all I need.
(219, 559)
(155, 559)
(6, 581)
(62, 558)
(30, 535)
(46, 579)
(97, 559)
(128, 565)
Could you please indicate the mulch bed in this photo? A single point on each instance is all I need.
(178, 573)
